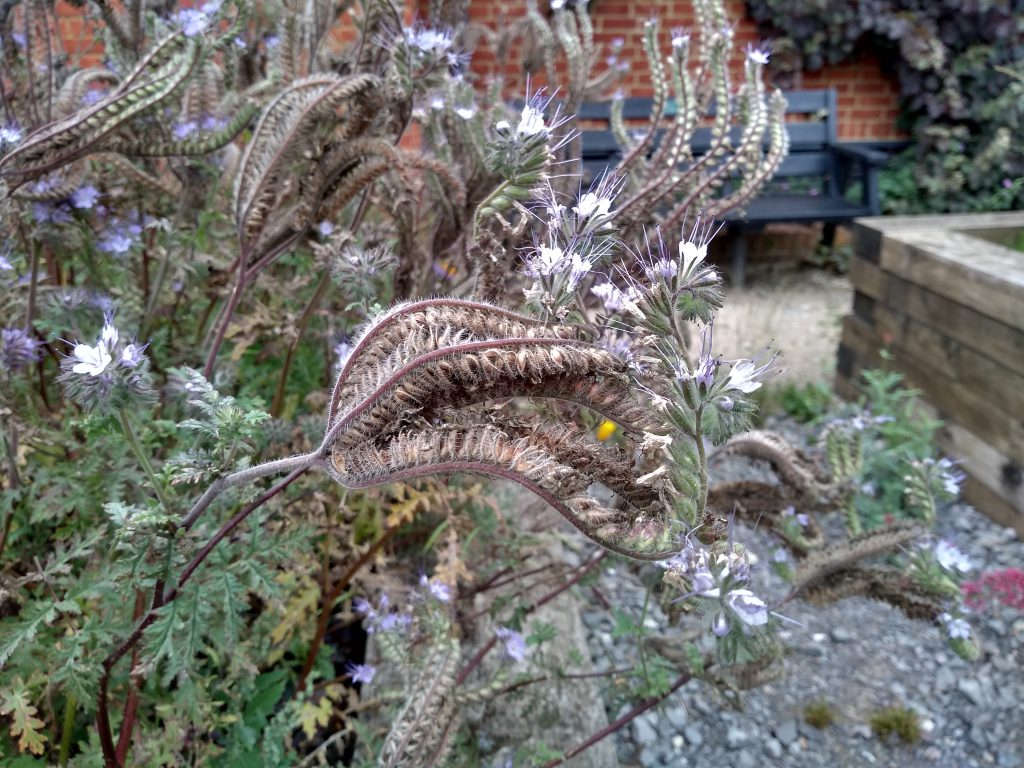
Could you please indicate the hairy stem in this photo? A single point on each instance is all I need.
(301, 462)
(140, 454)
(638, 710)
(110, 759)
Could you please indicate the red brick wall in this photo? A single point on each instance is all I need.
(868, 97)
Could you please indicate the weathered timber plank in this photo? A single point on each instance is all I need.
(945, 255)
(991, 338)
(997, 473)
(936, 351)
(969, 270)
(954, 402)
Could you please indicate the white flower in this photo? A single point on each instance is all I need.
(108, 336)
(9, 134)
(465, 112)
(502, 125)
(615, 299)
(429, 40)
(692, 254)
(748, 607)
(591, 204)
(951, 558)
(548, 261)
(741, 377)
(680, 37)
(91, 360)
(531, 122)
(758, 55)
(579, 268)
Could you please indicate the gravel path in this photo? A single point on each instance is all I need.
(857, 655)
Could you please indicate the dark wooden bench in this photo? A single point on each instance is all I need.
(810, 185)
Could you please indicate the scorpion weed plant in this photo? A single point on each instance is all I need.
(211, 226)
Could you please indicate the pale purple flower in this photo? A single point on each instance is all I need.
(5, 264)
(192, 22)
(272, 41)
(950, 477)
(85, 197)
(17, 349)
(748, 607)
(956, 628)
(780, 555)
(515, 645)
(362, 673)
(9, 135)
(951, 558)
(680, 37)
(116, 240)
(92, 96)
(132, 355)
(720, 625)
(184, 130)
(437, 589)
(615, 299)
(325, 228)
(1007, 183)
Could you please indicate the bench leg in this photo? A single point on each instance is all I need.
(828, 234)
(739, 259)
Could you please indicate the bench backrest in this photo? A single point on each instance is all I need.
(810, 121)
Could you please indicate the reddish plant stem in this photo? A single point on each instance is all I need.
(110, 758)
(327, 604)
(132, 703)
(486, 648)
(638, 710)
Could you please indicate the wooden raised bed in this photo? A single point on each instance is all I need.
(945, 297)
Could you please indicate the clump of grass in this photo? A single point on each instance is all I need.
(901, 721)
(819, 714)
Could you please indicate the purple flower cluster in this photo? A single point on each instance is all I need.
(17, 349)
(381, 618)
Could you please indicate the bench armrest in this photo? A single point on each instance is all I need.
(869, 160)
(863, 154)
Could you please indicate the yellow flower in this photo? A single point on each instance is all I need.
(605, 430)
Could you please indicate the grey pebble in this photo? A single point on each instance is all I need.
(842, 635)
(786, 733)
(644, 731)
(773, 749)
(676, 717)
(735, 737)
(972, 689)
(693, 736)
